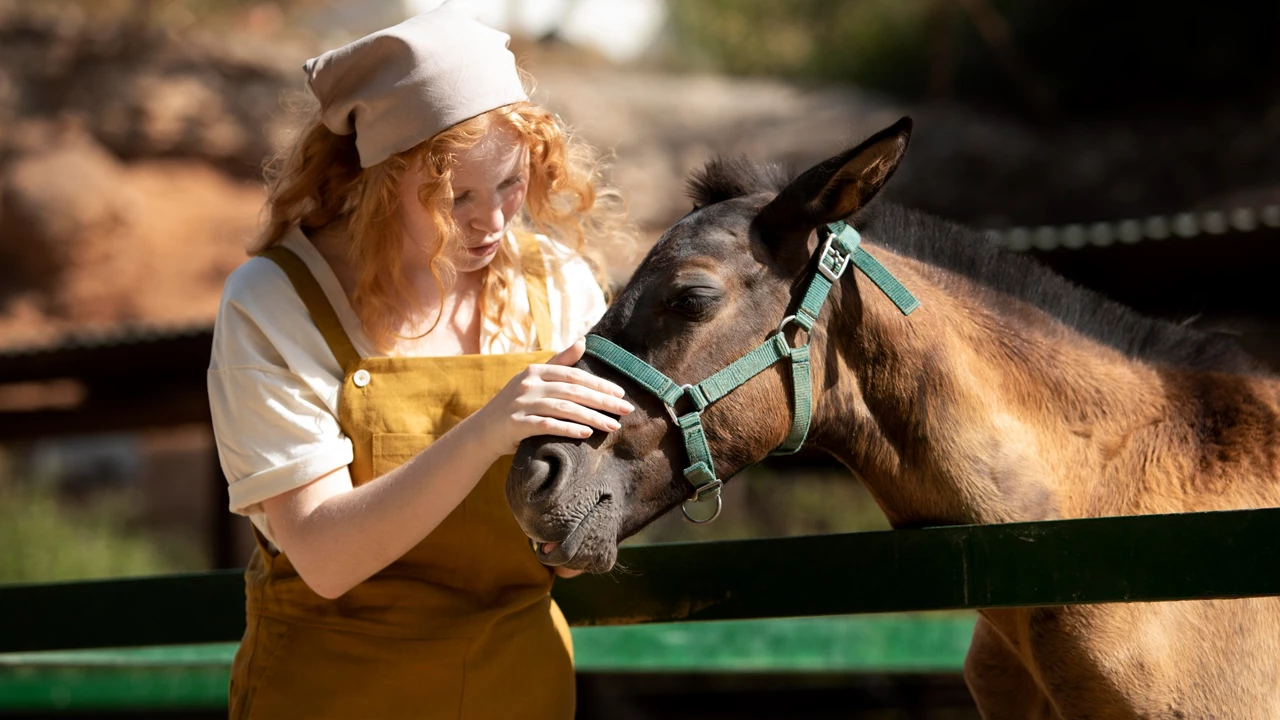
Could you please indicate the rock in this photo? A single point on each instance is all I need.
(56, 197)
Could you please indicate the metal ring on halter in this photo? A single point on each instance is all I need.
(671, 410)
(685, 511)
(787, 321)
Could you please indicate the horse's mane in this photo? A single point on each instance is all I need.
(970, 254)
(727, 178)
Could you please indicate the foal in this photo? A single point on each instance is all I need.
(1009, 395)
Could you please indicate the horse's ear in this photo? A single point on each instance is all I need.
(838, 187)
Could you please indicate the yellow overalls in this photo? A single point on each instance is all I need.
(461, 626)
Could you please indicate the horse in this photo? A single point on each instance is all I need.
(1008, 395)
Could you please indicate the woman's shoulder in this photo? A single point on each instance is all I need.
(259, 309)
(256, 281)
(260, 287)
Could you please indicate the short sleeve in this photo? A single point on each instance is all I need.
(273, 389)
(273, 434)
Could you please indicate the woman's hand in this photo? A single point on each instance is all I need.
(552, 399)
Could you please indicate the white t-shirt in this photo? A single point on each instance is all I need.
(274, 383)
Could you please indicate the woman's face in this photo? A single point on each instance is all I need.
(490, 181)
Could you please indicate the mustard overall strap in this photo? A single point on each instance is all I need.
(326, 319)
(535, 281)
(322, 312)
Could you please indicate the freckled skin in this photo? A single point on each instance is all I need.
(981, 407)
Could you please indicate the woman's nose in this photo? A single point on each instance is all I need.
(490, 219)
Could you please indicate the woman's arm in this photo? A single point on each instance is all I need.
(337, 536)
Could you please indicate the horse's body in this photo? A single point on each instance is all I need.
(1017, 415)
(1009, 396)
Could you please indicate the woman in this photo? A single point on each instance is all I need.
(376, 363)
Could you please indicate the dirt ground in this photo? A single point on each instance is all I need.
(129, 159)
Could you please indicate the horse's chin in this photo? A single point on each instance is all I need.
(600, 560)
(591, 546)
(591, 556)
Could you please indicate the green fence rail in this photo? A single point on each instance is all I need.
(161, 642)
(1123, 559)
(196, 676)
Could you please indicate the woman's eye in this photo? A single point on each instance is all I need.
(461, 199)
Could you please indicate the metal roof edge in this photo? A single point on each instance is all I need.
(1130, 231)
(109, 337)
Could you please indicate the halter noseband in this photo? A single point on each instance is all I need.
(840, 247)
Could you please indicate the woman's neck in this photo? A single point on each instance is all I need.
(435, 325)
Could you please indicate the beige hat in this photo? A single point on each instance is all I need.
(400, 86)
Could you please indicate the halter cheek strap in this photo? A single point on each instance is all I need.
(840, 247)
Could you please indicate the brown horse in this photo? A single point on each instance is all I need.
(1010, 395)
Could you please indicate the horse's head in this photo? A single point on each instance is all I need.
(715, 286)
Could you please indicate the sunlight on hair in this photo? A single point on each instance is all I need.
(317, 181)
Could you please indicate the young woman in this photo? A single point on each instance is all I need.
(378, 360)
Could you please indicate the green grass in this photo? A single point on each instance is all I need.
(43, 539)
(762, 502)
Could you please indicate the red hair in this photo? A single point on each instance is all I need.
(317, 181)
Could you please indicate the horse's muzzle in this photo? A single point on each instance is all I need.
(536, 487)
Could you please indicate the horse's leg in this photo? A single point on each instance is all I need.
(1213, 659)
(1001, 686)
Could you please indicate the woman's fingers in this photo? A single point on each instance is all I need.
(557, 373)
(588, 397)
(550, 407)
(558, 399)
(543, 425)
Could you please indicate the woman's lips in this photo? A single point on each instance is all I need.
(484, 250)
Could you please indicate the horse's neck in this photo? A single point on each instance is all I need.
(962, 414)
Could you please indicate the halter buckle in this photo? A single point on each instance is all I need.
(831, 261)
(706, 486)
(711, 489)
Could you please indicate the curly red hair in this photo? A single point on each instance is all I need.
(317, 181)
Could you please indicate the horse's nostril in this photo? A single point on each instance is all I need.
(553, 473)
(556, 462)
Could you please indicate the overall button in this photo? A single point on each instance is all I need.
(361, 378)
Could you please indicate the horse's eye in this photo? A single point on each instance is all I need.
(694, 302)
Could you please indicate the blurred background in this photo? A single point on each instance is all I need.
(1130, 145)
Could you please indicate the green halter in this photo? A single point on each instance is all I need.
(840, 247)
